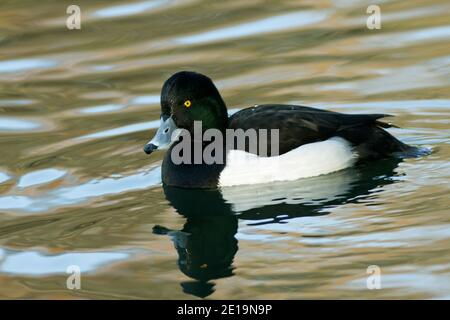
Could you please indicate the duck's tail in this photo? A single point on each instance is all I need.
(374, 142)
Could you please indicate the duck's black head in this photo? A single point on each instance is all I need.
(191, 96)
(187, 97)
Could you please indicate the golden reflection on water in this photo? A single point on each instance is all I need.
(77, 106)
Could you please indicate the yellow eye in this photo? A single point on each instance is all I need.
(187, 103)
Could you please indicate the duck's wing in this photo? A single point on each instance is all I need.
(299, 125)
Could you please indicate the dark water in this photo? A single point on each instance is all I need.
(76, 107)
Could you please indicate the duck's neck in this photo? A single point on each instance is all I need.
(192, 173)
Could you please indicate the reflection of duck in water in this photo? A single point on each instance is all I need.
(207, 245)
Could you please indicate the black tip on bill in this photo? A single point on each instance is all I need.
(149, 148)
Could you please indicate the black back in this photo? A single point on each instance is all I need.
(299, 125)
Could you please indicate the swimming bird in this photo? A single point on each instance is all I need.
(308, 142)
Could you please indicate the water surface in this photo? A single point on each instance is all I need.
(77, 106)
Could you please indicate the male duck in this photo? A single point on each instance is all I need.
(311, 141)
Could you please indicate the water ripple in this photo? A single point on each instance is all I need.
(11, 66)
(129, 9)
(95, 188)
(40, 177)
(34, 263)
(266, 25)
(15, 124)
(102, 109)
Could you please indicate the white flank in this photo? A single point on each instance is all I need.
(309, 160)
